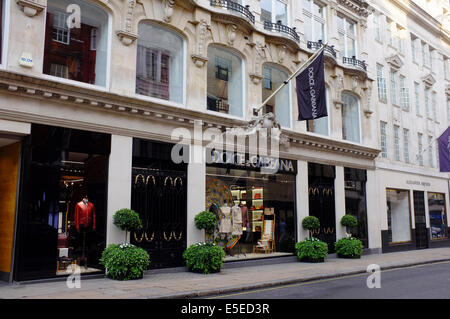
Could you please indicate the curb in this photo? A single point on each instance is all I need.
(275, 283)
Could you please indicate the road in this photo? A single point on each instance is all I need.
(430, 281)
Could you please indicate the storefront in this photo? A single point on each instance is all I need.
(256, 211)
(61, 216)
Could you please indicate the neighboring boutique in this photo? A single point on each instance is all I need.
(256, 212)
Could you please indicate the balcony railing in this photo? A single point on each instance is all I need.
(317, 45)
(278, 27)
(234, 6)
(357, 63)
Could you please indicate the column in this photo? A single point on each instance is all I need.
(302, 198)
(119, 184)
(373, 200)
(339, 200)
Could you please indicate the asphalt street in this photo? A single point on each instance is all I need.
(430, 281)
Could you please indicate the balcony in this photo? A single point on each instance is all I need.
(278, 27)
(236, 7)
(355, 64)
(317, 45)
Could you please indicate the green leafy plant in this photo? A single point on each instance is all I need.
(127, 220)
(207, 221)
(349, 221)
(349, 247)
(311, 249)
(204, 257)
(310, 223)
(125, 261)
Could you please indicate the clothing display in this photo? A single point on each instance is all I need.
(85, 215)
(236, 213)
(226, 225)
(244, 211)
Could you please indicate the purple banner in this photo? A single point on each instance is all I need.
(311, 98)
(444, 151)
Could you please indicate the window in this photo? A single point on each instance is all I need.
(406, 145)
(383, 133)
(160, 58)
(376, 23)
(274, 11)
(314, 15)
(438, 216)
(424, 55)
(393, 88)
(381, 81)
(434, 105)
(347, 37)
(430, 151)
(420, 148)
(430, 58)
(78, 54)
(225, 82)
(397, 142)
(427, 102)
(389, 32)
(414, 49)
(398, 215)
(320, 126)
(350, 118)
(404, 94)
(398, 38)
(280, 104)
(417, 97)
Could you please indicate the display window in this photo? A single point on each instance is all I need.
(398, 215)
(76, 52)
(438, 216)
(256, 212)
(62, 214)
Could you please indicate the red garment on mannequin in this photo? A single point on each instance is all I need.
(85, 215)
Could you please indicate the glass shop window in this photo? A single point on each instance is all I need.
(398, 215)
(160, 69)
(438, 216)
(225, 82)
(280, 103)
(256, 211)
(72, 52)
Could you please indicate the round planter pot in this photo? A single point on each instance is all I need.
(348, 256)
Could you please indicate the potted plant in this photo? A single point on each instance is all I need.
(349, 247)
(312, 250)
(125, 261)
(349, 221)
(311, 223)
(206, 220)
(127, 220)
(204, 258)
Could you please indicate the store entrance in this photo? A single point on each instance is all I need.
(420, 221)
(321, 202)
(159, 196)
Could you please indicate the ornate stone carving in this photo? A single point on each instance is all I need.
(198, 57)
(30, 8)
(339, 86)
(168, 10)
(231, 34)
(282, 49)
(126, 36)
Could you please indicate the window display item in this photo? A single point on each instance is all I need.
(225, 225)
(237, 220)
(63, 240)
(85, 214)
(266, 243)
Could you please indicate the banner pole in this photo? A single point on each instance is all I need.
(300, 69)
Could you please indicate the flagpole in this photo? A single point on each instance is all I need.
(300, 69)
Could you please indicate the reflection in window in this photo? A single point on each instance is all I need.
(314, 15)
(347, 37)
(350, 118)
(438, 216)
(280, 103)
(159, 71)
(225, 82)
(274, 11)
(398, 214)
(78, 54)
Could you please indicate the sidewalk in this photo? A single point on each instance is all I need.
(230, 279)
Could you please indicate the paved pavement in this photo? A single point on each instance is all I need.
(230, 279)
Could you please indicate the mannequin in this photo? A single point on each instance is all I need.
(225, 226)
(237, 220)
(84, 221)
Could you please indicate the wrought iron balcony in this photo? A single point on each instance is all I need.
(357, 63)
(278, 27)
(234, 6)
(317, 45)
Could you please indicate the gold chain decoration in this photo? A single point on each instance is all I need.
(151, 238)
(179, 237)
(181, 181)
(170, 237)
(138, 240)
(137, 178)
(171, 181)
(153, 179)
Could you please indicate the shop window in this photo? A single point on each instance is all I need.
(351, 130)
(280, 103)
(160, 69)
(62, 206)
(78, 54)
(320, 126)
(225, 82)
(438, 216)
(256, 211)
(398, 216)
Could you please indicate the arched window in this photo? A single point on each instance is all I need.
(351, 127)
(160, 56)
(76, 52)
(225, 81)
(320, 126)
(280, 103)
